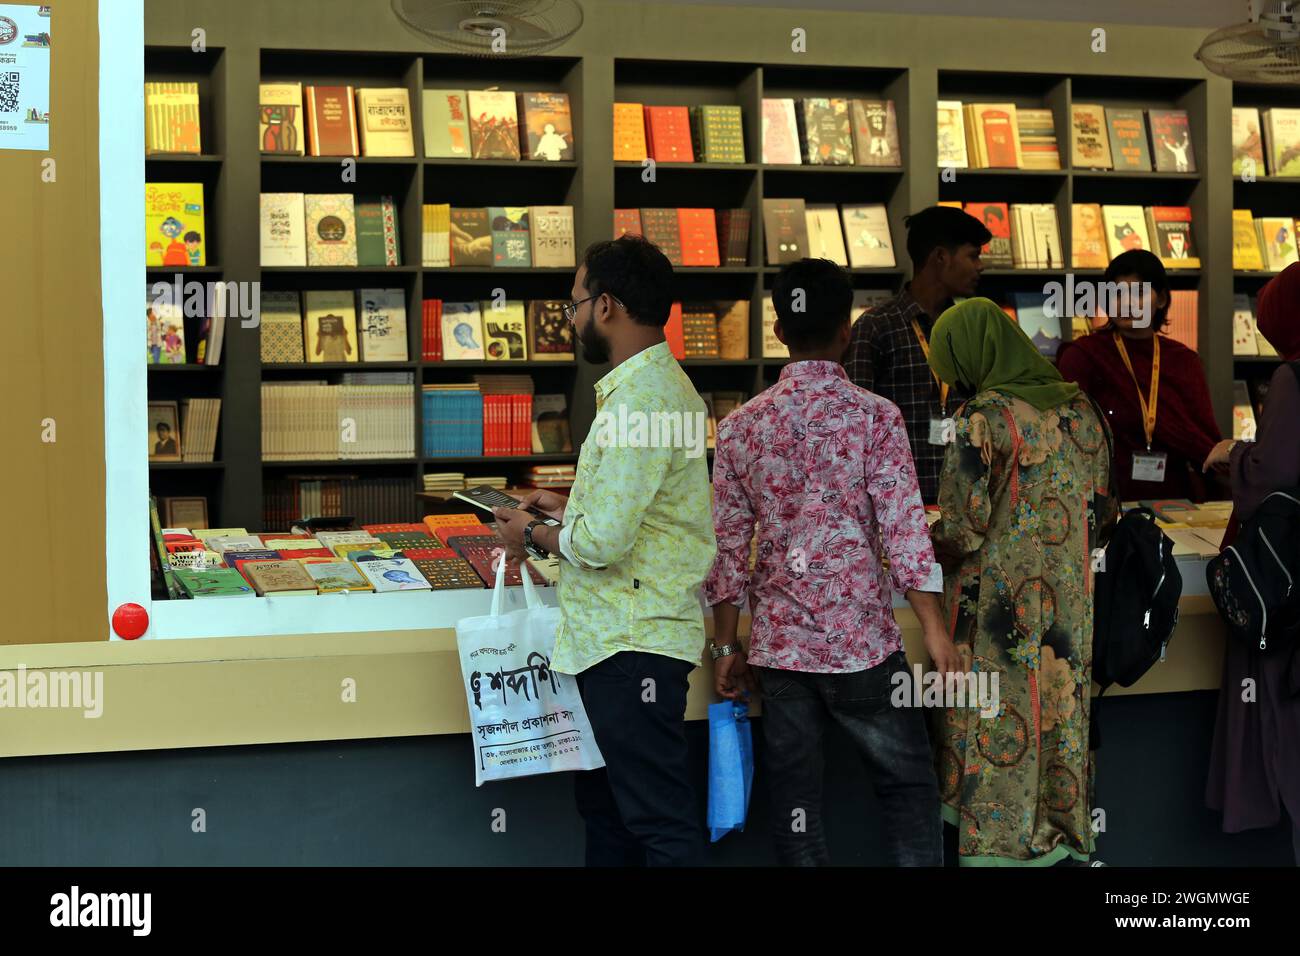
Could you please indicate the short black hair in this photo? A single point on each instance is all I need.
(945, 226)
(162, 425)
(633, 270)
(1146, 265)
(827, 302)
(193, 236)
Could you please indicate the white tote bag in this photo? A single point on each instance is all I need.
(524, 718)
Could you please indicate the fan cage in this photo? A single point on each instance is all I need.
(551, 21)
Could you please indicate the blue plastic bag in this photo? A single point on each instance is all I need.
(731, 767)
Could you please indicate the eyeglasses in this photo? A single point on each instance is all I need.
(571, 308)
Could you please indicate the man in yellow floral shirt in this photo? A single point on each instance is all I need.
(637, 542)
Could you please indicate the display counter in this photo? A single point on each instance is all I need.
(230, 687)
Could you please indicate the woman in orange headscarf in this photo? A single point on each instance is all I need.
(1255, 761)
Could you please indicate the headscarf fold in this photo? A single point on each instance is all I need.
(1278, 312)
(977, 345)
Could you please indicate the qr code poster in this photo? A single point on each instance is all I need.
(24, 77)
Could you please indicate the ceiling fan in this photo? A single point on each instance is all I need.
(1266, 49)
(510, 28)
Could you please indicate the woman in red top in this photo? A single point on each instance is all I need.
(1163, 429)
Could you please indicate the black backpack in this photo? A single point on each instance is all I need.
(1254, 581)
(1137, 591)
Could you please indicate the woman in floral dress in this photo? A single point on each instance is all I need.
(1023, 494)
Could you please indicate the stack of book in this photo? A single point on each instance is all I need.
(453, 420)
(507, 414)
(1103, 232)
(486, 124)
(329, 230)
(1130, 140)
(550, 476)
(501, 331)
(444, 482)
(368, 325)
(199, 417)
(305, 421)
(690, 237)
(1266, 243)
(1025, 235)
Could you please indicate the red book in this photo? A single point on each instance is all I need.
(462, 531)
(331, 121)
(627, 221)
(699, 235)
(668, 134)
(311, 553)
(673, 332)
(395, 528)
(429, 554)
(999, 138)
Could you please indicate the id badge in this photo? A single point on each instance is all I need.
(1149, 466)
(938, 430)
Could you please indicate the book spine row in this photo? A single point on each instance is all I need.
(306, 422)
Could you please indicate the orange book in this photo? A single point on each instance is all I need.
(673, 332)
(434, 522)
(698, 229)
(629, 133)
(670, 133)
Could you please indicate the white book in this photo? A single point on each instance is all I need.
(462, 331)
(1244, 332)
(283, 231)
(393, 574)
(825, 238)
(866, 233)
(952, 134)
(381, 325)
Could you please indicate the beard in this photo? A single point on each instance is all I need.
(595, 347)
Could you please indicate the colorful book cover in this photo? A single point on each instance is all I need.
(279, 119)
(552, 236)
(780, 133)
(511, 247)
(548, 124)
(330, 329)
(875, 133)
(995, 216)
(866, 235)
(1040, 319)
(446, 124)
(173, 223)
(828, 131)
(331, 229)
(999, 135)
(395, 574)
(280, 328)
(462, 331)
(1246, 254)
(171, 118)
(1171, 141)
(471, 237)
(1172, 240)
(1087, 234)
(1282, 138)
(493, 124)
(1247, 141)
(698, 232)
(550, 334)
(331, 121)
(1126, 229)
(382, 329)
(378, 243)
(212, 583)
(505, 331)
(334, 576)
(722, 134)
(1089, 139)
(1128, 139)
(165, 322)
(629, 133)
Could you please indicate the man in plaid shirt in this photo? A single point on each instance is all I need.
(886, 354)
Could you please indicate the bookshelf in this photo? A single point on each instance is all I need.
(1265, 196)
(646, 65)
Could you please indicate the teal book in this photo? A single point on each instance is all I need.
(510, 243)
(213, 583)
(378, 241)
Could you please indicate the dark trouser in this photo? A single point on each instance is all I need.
(640, 809)
(893, 744)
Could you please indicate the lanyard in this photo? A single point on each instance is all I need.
(925, 348)
(1148, 406)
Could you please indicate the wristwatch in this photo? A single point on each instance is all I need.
(724, 650)
(536, 550)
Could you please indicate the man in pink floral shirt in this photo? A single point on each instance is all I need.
(824, 469)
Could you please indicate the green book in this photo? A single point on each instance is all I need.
(510, 241)
(377, 237)
(722, 134)
(213, 583)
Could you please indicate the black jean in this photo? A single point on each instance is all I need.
(893, 744)
(640, 808)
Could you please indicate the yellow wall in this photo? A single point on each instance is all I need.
(51, 359)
